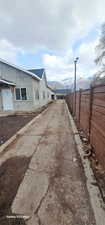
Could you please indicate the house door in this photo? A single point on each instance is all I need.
(7, 99)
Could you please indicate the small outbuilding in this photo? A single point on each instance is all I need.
(61, 93)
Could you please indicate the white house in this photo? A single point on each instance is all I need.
(22, 90)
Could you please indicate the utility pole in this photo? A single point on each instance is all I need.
(75, 73)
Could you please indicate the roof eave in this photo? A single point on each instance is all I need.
(19, 68)
(7, 82)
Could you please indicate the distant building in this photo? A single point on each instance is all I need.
(61, 93)
(22, 90)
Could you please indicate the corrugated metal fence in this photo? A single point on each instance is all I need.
(90, 116)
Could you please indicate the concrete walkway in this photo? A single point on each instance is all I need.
(53, 191)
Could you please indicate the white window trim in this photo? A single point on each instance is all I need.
(20, 94)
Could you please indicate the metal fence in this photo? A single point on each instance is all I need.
(90, 116)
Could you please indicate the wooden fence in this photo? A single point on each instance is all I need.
(90, 116)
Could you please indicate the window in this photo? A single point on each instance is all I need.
(21, 94)
(37, 94)
(17, 90)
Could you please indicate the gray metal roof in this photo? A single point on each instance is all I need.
(38, 72)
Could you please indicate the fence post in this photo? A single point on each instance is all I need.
(91, 106)
(72, 102)
(80, 92)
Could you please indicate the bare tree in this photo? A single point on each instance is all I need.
(100, 49)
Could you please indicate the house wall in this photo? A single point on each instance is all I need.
(50, 94)
(42, 87)
(22, 80)
(0, 101)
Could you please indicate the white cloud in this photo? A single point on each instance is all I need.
(8, 51)
(58, 67)
(62, 67)
(54, 24)
(87, 55)
(58, 62)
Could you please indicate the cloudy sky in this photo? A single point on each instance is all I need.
(50, 34)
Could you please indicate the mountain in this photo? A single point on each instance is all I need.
(83, 83)
(68, 83)
(56, 84)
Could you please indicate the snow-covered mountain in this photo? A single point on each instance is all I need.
(56, 84)
(68, 83)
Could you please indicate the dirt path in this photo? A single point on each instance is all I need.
(53, 191)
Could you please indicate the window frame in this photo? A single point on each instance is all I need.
(21, 98)
(16, 94)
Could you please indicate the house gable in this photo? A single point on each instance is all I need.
(44, 78)
(18, 69)
(40, 73)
